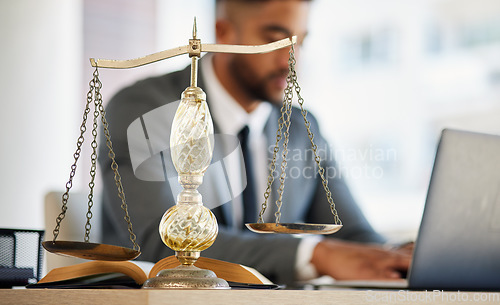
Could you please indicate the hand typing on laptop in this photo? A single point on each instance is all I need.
(344, 260)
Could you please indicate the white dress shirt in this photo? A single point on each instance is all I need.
(231, 118)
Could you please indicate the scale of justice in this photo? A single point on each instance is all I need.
(188, 227)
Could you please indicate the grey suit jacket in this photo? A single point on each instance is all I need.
(304, 199)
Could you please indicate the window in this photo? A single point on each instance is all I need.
(368, 48)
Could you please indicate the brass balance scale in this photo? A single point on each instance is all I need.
(192, 128)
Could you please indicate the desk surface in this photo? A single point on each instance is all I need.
(138, 296)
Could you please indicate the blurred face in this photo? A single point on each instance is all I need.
(263, 76)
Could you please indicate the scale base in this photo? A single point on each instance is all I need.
(186, 277)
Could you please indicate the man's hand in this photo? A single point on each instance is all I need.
(353, 261)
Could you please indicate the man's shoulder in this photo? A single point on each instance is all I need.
(144, 96)
(298, 117)
(178, 78)
(156, 89)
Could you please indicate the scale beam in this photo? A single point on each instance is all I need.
(187, 49)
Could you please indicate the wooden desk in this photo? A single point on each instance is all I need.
(275, 297)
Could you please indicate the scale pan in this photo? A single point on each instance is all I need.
(293, 228)
(91, 251)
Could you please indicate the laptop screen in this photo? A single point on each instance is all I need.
(458, 245)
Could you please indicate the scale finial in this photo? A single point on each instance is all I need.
(194, 28)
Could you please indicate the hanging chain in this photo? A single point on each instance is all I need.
(287, 103)
(93, 167)
(283, 131)
(76, 155)
(317, 158)
(94, 95)
(283, 120)
(111, 154)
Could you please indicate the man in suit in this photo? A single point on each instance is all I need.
(242, 90)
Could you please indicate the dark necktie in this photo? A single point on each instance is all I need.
(249, 197)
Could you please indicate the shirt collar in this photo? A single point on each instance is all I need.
(227, 112)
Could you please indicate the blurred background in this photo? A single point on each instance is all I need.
(383, 78)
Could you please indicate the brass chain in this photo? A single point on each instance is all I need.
(76, 155)
(284, 124)
(272, 167)
(111, 155)
(94, 95)
(287, 103)
(317, 158)
(93, 167)
(283, 132)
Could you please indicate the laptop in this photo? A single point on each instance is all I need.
(458, 243)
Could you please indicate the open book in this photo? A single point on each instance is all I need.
(131, 274)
